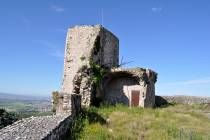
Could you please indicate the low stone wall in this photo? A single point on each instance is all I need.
(68, 103)
(53, 127)
(161, 100)
(37, 128)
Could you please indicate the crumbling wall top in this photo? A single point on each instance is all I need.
(97, 26)
(136, 72)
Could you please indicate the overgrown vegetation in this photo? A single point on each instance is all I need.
(174, 122)
(85, 117)
(96, 70)
(97, 73)
(7, 118)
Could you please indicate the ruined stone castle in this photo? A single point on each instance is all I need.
(92, 72)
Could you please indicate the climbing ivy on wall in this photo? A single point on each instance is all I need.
(97, 73)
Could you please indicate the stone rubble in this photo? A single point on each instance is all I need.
(35, 128)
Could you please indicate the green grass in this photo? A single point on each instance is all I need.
(173, 122)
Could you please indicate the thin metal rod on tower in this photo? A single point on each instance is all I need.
(102, 17)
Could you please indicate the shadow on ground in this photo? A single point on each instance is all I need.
(160, 102)
(80, 120)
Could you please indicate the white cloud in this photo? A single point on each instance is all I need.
(57, 8)
(198, 81)
(157, 9)
(198, 87)
(52, 49)
(205, 80)
(172, 93)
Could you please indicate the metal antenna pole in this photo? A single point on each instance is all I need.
(102, 16)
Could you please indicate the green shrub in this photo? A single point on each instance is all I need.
(7, 118)
(97, 73)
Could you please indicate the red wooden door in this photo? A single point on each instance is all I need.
(135, 97)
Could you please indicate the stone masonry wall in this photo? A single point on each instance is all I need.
(110, 52)
(79, 42)
(86, 45)
(117, 86)
(68, 103)
(150, 88)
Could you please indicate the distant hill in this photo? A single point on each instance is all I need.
(16, 97)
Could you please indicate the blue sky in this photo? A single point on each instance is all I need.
(171, 37)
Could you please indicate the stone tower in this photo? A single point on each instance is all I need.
(91, 72)
(85, 46)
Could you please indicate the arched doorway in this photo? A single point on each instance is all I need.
(121, 88)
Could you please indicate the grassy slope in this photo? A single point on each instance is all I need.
(120, 122)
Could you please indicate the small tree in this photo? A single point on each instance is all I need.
(7, 118)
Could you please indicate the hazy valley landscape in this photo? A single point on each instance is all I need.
(25, 106)
(21, 103)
